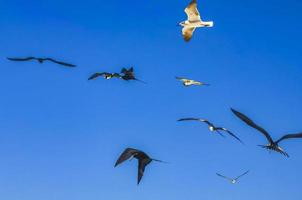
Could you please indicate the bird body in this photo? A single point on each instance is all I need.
(212, 127)
(128, 74)
(142, 157)
(272, 145)
(194, 21)
(41, 60)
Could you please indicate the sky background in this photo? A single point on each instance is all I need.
(60, 134)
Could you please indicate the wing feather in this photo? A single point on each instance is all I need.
(252, 124)
(141, 169)
(242, 175)
(230, 133)
(95, 75)
(192, 11)
(60, 63)
(187, 33)
(196, 119)
(289, 136)
(222, 176)
(21, 59)
(128, 153)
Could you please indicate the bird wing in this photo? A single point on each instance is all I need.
(141, 169)
(289, 136)
(192, 12)
(128, 153)
(252, 124)
(60, 63)
(182, 79)
(124, 70)
(95, 75)
(116, 75)
(242, 175)
(230, 133)
(222, 176)
(196, 119)
(21, 59)
(187, 33)
(196, 82)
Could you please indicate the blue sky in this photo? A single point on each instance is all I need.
(60, 134)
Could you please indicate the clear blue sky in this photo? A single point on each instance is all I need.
(60, 134)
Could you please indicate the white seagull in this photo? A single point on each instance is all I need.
(232, 180)
(194, 21)
(189, 82)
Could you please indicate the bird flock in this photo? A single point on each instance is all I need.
(188, 27)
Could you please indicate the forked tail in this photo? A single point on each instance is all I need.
(160, 161)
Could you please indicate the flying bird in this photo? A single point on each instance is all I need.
(212, 127)
(233, 180)
(142, 157)
(272, 145)
(105, 75)
(194, 21)
(189, 82)
(128, 74)
(41, 60)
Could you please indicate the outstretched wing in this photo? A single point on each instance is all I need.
(222, 176)
(116, 75)
(95, 75)
(21, 59)
(290, 136)
(128, 153)
(230, 133)
(141, 169)
(242, 175)
(60, 63)
(187, 33)
(181, 79)
(196, 119)
(192, 12)
(124, 70)
(252, 124)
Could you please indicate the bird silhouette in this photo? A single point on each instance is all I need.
(41, 60)
(233, 180)
(212, 127)
(189, 82)
(128, 74)
(272, 145)
(106, 75)
(142, 157)
(194, 21)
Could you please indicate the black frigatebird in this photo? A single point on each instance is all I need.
(41, 60)
(128, 74)
(272, 145)
(142, 157)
